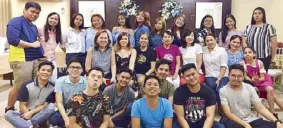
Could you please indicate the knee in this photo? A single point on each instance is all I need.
(50, 108)
(269, 90)
(9, 115)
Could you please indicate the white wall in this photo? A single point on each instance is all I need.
(242, 10)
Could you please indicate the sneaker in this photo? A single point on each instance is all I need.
(276, 115)
(8, 109)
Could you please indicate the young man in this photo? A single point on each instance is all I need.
(90, 109)
(237, 99)
(36, 98)
(152, 111)
(121, 97)
(25, 49)
(194, 103)
(65, 88)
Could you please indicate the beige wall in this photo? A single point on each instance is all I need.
(242, 10)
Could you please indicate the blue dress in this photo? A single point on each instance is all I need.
(234, 58)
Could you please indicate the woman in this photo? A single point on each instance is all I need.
(100, 55)
(263, 42)
(123, 26)
(229, 29)
(235, 53)
(172, 53)
(142, 25)
(97, 24)
(215, 61)
(206, 26)
(145, 62)
(50, 36)
(74, 39)
(123, 55)
(157, 32)
(191, 51)
(178, 29)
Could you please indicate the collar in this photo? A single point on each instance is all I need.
(73, 29)
(26, 20)
(215, 48)
(36, 83)
(68, 80)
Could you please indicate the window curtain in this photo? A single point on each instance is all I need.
(5, 15)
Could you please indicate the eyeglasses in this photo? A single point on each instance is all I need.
(75, 67)
(236, 76)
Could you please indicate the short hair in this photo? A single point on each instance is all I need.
(236, 66)
(233, 38)
(96, 69)
(169, 33)
(103, 26)
(72, 24)
(96, 45)
(161, 62)
(151, 77)
(126, 70)
(186, 33)
(74, 60)
(188, 67)
(46, 63)
(32, 5)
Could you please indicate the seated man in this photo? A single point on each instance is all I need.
(65, 88)
(121, 97)
(89, 108)
(237, 99)
(36, 98)
(152, 111)
(194, 103)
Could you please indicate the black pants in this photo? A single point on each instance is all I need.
(266, 62)
(259, 123)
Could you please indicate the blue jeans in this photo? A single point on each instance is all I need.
(57, 120)
(124, 119)
(259, 123)
(210, 82)
(40, 118)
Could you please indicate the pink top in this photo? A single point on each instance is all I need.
(49, 46)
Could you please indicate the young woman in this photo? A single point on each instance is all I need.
(172, 53)
(98, 24)
(50, 36)
(74, 39)
(257, 75)
(145, 62)
(100, 55)
(142, 25)
(157, 32)
(123, 55)
(178, 29)
(229, 29)
(191, 51)
(235, 53)
(123, 26)
(262, 37)
(206, 26)
(215, 61)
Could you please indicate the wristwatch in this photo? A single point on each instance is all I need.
(276, 121)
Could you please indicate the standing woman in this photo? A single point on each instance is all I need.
(215, 63)
(97, 24)
(262, 37)
(206, 26)
(178, 29)
(100, 55)
(142, 25)
(229, 29)
(74, 40)
(157, 32)
(172, 53)
(235, 53)
(123, 55)
(50, 36)
(124, 25)
(145, 62)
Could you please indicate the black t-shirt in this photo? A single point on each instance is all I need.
(195, 103)
(143, 60)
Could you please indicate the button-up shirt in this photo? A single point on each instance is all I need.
(74, 41)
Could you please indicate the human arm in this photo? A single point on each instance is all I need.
(273, 40)
(136, 123)
(73, 122)
(179, 110)
(105, 122)
(113, 66)
(208, 123)
(178, 63)
(220, 41)
(60, 106)
(133, 59)
(114, 29)
(152, 67)
(199, 61)
(223, 66)
(88, 60)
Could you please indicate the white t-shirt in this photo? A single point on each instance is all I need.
(189, 54)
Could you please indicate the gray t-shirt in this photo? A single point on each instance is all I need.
(119, 99)
(240, 102)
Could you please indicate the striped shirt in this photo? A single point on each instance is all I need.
(259, 39)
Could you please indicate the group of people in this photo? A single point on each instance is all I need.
(175, 69)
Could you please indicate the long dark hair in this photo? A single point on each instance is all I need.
(212, 27)
(47, 28)
(225, 30)
(187, 32)
(174, 28)
(127, 21)
(263, 12)
(72, 24)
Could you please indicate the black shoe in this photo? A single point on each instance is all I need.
(7, 109)
(276, 115)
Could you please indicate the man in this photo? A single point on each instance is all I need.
(152, 111)
(25, 49)
(194, 103)
(65, 88)
(237, 99)
(121, 97)
(34, 98)
(90, 109)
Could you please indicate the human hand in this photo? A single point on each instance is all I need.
(217, 82)
(141, 79)
(35, 44)
(112, 80)
(66, 121)
(26, 115)
(279, 125)
(248, 126)
(174, 76)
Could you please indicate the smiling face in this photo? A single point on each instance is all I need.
(208, 22)
(121, 20)
(236, 77)
(190, 38)
(75, 70)
(96, 22)
(167, 39)
(249, 54)
(123, 79)
(143, 40)
(235, 44)
(140, 17)
(94, 79)
(45, 72)
(31, 14)
(230, 23)
(158, 26)
(53, 20)
(78, 21)
(102, 40)
(163, 71)
(124, 41)
(191, 77)
(210, 42)
(152, 87)
(180, 21)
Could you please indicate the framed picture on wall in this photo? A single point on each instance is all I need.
(212, 8)
(88, 8)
